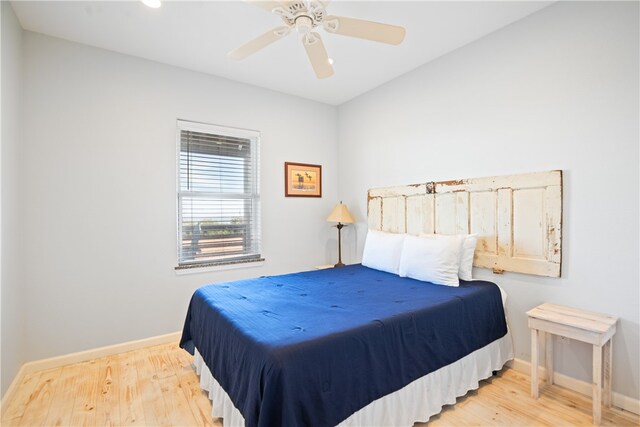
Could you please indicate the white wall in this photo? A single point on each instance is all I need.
(12, 352)
(99, 192)
(557, 90)
(96, 210)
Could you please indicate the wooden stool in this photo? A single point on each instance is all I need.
(593, 328)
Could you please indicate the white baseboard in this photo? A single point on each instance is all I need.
(620, 400)
(83, 356)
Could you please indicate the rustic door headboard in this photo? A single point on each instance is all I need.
(518, 218)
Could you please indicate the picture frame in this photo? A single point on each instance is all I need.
(302, 180)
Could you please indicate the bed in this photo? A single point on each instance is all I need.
(360, 346)
(348, 346)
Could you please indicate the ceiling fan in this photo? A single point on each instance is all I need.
(305, 16)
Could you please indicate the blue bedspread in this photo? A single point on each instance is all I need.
(312, 348)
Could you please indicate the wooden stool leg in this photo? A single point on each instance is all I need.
(608, 357)
(534, 363)
(597, 384)
(549, 357)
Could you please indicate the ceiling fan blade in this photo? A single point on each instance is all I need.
(317, 55)
(258, 43)
(383, 33)
(265, 4)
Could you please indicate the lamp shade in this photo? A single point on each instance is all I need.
(340, 214)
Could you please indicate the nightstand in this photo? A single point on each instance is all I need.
(593, 328)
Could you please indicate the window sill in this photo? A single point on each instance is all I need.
(205, 268)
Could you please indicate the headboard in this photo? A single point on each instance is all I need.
(518, 218)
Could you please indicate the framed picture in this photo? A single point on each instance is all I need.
(302, 180)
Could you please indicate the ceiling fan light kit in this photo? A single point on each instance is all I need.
(306, 16)
(304, 24)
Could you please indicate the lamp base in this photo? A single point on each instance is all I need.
(339, 264)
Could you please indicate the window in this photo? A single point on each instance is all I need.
(218, 195)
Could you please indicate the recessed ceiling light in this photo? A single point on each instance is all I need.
(152, 3)
(331, 61)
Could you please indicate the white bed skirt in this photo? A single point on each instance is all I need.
(415, 402)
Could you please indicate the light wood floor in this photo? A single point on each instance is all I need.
(158, 386)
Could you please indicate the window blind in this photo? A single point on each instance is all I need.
(218, 197)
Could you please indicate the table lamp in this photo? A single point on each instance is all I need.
(342, 216)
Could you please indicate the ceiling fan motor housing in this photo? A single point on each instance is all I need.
(304, 24)
(313, 11)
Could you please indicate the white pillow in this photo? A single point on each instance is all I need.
(466, 256)
(431, 260)
(467, 251)
(382, 251)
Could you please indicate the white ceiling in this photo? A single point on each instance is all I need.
(197, 36)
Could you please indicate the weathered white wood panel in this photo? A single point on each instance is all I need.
(374, 213)
(518, 218)
(462, 212)
(445, 213)
(504, 227)
(420, 215)
(394, 214)
(482, 221)
(521, 181)
(405, 190)
(528, 227)
(452, 213)
(553, 212)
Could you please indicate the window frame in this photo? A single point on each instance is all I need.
(254, 194)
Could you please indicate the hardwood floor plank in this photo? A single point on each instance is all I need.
(505, 400)
(155, 412)
(190, 386)
(131, 405)
(500, 397)
(108, 405)
(13, 422)
(546, 407)
(175, 401)
(158, 386)
(86, 399)
(64, 396)
(37, 407)
(16, 407)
